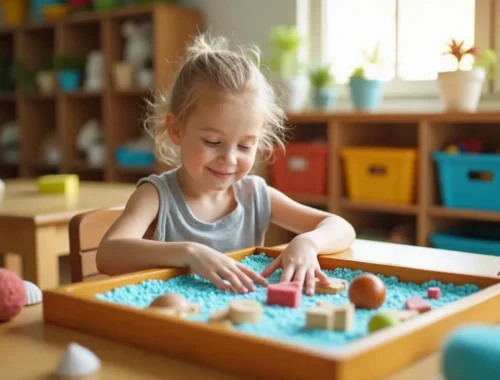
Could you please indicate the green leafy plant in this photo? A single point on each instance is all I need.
(7, 79)
(487, 59)
(69, 62)
(285, 42)
(321, 77)
(370, 60)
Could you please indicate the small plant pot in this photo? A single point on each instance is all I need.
(69, 80)
(366, 94)
(461, 90)
(106, 5)
(124, 76)
(324, 98)
(47, 82)
(294, 92)
(14, 11)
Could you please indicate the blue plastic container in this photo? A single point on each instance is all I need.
(38, 5)
(69, 80)
(324, 99)
(127, 157)
(471, 238)
(469, 181)
(365, 93)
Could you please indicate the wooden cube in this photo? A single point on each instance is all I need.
(319, 317)
(343, 317)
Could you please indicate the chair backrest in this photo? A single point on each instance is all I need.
(86, 231)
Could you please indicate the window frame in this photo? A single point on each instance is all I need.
(485, 15)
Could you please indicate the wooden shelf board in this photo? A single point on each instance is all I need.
(445, 212)
(313, 200)
(6, 30)
(83, 94)
(83, 166)
(84, 18)
(139, 170)
(35, 27)
(131, 11)
(41, 97)
(390, 208)
(132, 92)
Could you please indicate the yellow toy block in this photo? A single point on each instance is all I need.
(67, 184)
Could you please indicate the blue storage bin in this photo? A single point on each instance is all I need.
(38, 5)
(127, 157)
(469, 238)
(469, 181)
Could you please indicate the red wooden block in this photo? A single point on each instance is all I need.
(418, 303)
(284, 294)
(434, 293)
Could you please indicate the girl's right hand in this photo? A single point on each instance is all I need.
(217, 267)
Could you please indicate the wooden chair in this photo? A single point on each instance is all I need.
(86, 231)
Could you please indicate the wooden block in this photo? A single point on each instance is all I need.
(319, 317)
(336, 286)
(245, 311)
(343, 317)
(418, 303)
(219, 315)
(404, 315)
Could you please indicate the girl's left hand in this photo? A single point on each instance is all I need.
(299, 261)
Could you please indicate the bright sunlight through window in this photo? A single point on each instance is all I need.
(412, 35)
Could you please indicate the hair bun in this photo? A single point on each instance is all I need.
(203, 44)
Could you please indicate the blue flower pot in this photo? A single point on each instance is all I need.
(324, 98)
(69, 80)
(37, 8)
(366, 93)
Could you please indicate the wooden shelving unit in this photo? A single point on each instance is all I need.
(425, 132)
(120, 112)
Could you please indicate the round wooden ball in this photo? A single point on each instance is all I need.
(367, 291)
(170, 300)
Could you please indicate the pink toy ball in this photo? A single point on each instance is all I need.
(12, 294)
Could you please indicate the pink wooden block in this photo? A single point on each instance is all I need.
(434, 293)
(284, 294)
(418, 303)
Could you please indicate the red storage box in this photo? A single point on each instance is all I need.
(302, 169)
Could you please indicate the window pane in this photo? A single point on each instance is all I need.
(353, 25)
(424, 28)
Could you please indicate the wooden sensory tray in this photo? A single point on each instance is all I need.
(376, 355)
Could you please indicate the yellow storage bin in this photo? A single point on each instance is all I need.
(380, 174)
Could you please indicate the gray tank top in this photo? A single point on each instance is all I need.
(244, 227)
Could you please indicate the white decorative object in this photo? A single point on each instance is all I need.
(10, 142)
(146, 78)
(461, 90)
(94, 71)
(139, 43)
(47, 82)
(2, 188)
(77, 361)
(89, 133)
(33, 294)
(96, 155)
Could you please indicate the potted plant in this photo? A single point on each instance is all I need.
(322, 82)
(366, 90)
(460, 90)
(287, 78)
(106, 5)
(69, 72)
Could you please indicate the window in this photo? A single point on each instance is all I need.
(411, 37)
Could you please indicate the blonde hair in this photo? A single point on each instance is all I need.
(209, 61)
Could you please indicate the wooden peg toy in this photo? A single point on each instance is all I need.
(336, 286)
(220, 318)
(245, 311)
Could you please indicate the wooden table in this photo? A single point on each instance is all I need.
(34, 227)
(27, 339)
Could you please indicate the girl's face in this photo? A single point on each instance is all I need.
(219, 139)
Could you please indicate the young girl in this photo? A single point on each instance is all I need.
(219, 114)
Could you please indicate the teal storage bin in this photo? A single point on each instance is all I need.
(37, 8)
(472, 238)
(365, 93)
(469, 181)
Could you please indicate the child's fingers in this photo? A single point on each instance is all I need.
(272, 267)
(287, 274)
(245, 279)
(299, 276)
(233, 279)
(310, 282)
(254, 276)
(217, 281)
(322, 277)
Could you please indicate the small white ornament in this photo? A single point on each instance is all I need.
(33, 294)
(78, 361)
